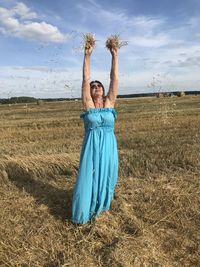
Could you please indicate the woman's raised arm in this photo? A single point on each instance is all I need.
(85, 93)
(113, 88)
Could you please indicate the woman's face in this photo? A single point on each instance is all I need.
(96, 89)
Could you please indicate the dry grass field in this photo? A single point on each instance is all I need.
(154, 218)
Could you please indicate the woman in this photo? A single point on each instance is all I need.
(98, 167)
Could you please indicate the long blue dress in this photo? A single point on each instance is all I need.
(98, 166)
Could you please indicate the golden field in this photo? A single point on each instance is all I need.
(154, 218)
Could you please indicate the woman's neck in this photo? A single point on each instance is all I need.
(98, 102)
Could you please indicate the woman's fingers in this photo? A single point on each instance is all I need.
(114, 51)
(88, 51)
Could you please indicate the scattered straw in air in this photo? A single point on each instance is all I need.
(114, 41)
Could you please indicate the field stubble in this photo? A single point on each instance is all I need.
(154, 217)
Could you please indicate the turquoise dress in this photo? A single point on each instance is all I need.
(98, 166)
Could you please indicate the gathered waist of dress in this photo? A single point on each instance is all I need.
(104, 127)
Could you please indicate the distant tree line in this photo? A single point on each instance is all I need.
(176, 93)
(27, 99)
(20, 99)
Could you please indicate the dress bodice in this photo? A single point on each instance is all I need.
(97, 118)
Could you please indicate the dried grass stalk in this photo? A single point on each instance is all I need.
(114, 41)
(88, 40)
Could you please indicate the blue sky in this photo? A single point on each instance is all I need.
(41, 55)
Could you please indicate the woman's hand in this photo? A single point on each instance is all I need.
(114, 51)
(88, 51)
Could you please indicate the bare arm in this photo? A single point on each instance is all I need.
(85, 93)
(113, 88)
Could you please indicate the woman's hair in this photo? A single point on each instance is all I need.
(100, 84)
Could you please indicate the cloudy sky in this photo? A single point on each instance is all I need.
(41, 55)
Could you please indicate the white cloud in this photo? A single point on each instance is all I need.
(46, 82)
(176, 57)
(141, 31)
(10, 24)
(41, 31)
(156, 46)
(24, 12)
(192, 62)
(151, 40)
(17, 22)
(119, 19)
(194, 22)
(39, 82)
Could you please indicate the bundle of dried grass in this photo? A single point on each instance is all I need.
(114, 41)
(88, 40)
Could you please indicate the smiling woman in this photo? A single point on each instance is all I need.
(98, 167)
(97, 88)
